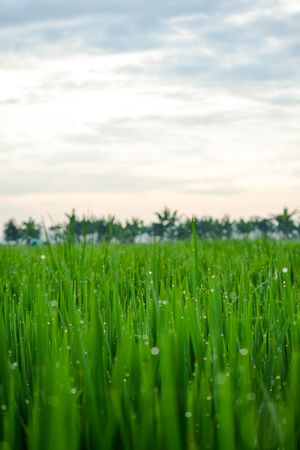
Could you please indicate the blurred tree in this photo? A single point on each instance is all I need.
(73, 228)
(57, 232)
(244, 227)
(207, 228)
(30, 230)
(285, 223)
(100, 227)
(165, 228)
(184, 229)
(264, 226)
(114, 229)
(11, 231)
(132, 229)
(226, 225)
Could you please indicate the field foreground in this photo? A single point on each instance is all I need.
(168, 346)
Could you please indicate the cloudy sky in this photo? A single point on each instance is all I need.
(124, 106)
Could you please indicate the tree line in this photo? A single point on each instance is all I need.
(168, 225)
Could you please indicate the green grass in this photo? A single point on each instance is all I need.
(169, 346)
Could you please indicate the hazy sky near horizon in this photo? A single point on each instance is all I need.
(126, 106)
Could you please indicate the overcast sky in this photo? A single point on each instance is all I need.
(126, 106)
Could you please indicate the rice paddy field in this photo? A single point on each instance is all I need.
(187, 345)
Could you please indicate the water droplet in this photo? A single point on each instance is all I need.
(244, 351)
(3, 408)
(251, 396)
(74, 391)
(53, 401)
(188, 414)
(285, 270)
(154, 351)
(43, 257)
(221, 378)
(163, 302)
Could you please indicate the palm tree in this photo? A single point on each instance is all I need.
(264, 226)
(31, 230)
(285, 223)
(132, 229)
(166, 225)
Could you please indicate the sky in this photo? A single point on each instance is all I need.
(124, 107)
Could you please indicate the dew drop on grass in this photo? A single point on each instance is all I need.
(244, 351)
(285, 270)
(163, 302)
(53, 401)
(74, 391)
(154, 351)
(14, 365)
(43, 257)
(251, 396)
(188, 414)
(54, 303)
(221, 378)
(3, 408)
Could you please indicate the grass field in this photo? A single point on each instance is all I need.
(189, 345)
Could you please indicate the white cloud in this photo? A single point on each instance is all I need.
(268, 10)
(202, 105)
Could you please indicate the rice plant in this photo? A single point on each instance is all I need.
(187, 345)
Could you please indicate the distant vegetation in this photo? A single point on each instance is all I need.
(168, 226)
